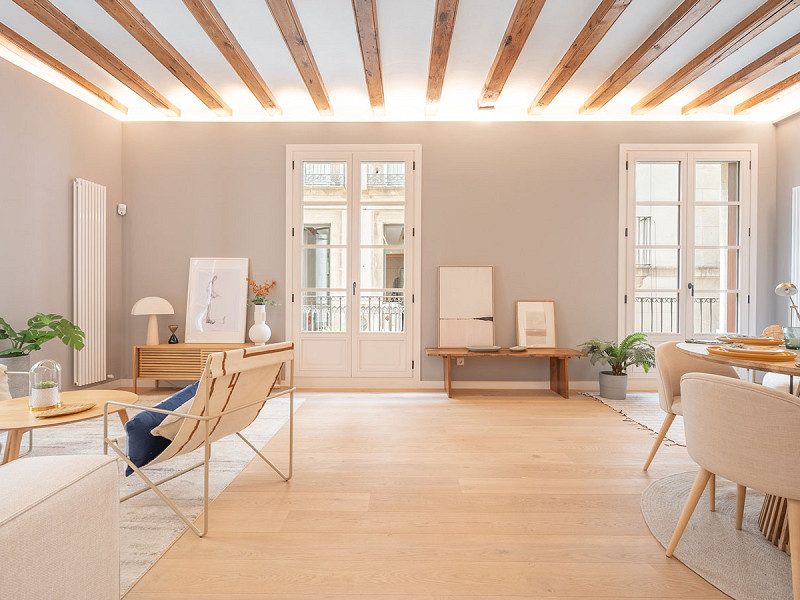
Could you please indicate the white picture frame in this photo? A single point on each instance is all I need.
(216, 301)
(536, 323)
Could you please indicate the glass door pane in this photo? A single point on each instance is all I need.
(657, 237)
(716, 259)
(382, 223)
(324, 275)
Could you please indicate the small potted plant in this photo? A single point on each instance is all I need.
(260, 332)
(41, 328)
(634, 350)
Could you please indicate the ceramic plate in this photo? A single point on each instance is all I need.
(750, 341)
(517, 348)
(753, 353)
(483, 348)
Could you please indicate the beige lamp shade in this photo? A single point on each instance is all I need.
(152, 305)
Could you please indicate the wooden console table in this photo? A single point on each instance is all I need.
(173, 361)
(559, 378)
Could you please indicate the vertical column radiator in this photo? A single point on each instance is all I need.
(89, 279)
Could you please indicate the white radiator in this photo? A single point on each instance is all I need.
(89, 278)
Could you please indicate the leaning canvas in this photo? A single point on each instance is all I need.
(536, 323)
(466, 306)
(217, 300)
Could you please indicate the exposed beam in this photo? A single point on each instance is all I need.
(443, 25)
(679, 22)
(519, 28)
(23, 48)
(127, 15)
(758, 21)
(596, 27)
(67, 29)
(366, 15)
(289, 24)
(763, 64)
(770, 94)
(208, 17)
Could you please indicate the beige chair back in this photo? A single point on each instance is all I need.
(775, 331)
(743, 432)
(230, 380)
(672, 364)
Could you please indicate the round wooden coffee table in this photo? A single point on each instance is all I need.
(16, 418)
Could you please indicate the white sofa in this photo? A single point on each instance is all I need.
(59, 528)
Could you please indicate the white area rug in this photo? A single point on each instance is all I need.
(643, 408)
(148, 526)
(743, 564)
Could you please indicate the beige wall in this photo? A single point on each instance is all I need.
(539, 201)
(788, 149)
(48, 138)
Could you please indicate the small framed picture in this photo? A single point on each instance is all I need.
(536, 323)
(216, 305)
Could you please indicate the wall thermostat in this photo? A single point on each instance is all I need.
(122, 209)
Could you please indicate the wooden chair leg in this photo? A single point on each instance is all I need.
(694, 497)
(659, 438)
(741, 493)
(794, 544)
(712, 493)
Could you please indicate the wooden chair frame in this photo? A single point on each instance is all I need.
(205, 420)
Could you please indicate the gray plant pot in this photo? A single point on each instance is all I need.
(613, 387)
(17, 384)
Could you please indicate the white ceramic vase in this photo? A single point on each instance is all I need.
(260, 332)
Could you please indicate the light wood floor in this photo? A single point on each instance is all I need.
(400, 496)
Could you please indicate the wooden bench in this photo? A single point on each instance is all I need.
(559, 378)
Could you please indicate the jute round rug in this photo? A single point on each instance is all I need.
(742, 564)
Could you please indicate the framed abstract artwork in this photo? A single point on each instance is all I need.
(216, 303)
(536, 323)
(466, 306)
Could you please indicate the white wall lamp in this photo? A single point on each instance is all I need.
(153, 305)
(788, 290)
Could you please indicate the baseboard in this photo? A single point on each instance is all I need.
(110, 384)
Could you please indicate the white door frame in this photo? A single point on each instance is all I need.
(415, 259)
(623, 253)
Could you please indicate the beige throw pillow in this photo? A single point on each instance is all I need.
(5, 394)
(169, 427)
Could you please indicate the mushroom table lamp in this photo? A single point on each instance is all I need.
(152, 305)
(788, 290)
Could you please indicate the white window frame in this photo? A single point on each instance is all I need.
(625, 207)
(415, 259)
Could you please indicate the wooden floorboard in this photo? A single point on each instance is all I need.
(414, 495)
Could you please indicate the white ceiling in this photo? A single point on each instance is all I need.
(405, 28)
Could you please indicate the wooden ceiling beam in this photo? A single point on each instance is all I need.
(208, 17)
(443, 25)
(366, 16)
(674, 26)
(519, 28)
(758, 21)
(763, 64)
(47, 14)
(135, 23)
(772, 93)
(596, 27)
(25, 49)
(288, 23)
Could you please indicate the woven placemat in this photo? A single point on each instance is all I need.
(64, 409)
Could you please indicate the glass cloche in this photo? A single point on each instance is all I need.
(45, 385)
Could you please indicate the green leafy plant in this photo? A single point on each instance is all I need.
(41, 328)
(634, 350)
(45, 385)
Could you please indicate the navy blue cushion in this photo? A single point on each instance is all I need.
(143, 446)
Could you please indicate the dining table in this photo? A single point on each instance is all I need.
(772, 521)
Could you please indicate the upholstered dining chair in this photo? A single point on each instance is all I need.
(746, 433)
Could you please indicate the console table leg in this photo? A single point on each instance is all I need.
(559, 377)
(448, 384)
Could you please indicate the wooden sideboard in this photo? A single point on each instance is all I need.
(173, 361)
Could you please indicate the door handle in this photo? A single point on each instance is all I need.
(691, 287)
(354, 288)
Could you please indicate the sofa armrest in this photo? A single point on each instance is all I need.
(59, 528)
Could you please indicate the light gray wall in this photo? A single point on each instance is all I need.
(788, 149)
(48, 138)
(539, 201)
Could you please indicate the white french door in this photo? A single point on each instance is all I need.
(687, 234)
(353, 254)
